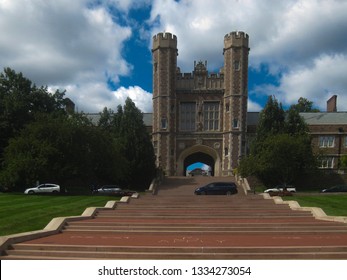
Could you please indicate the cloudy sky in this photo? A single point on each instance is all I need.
(99, 51)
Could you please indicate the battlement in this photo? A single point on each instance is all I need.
(190, 76)
(164, 40)
(236, 39)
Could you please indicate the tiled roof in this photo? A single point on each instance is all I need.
(325, 118)
(319, 118)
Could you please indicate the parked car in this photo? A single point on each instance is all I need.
(45, 188)
(337, 188)
(197, 172)
(108, 189)
(281, 189)
(217, 188)
(114, 190)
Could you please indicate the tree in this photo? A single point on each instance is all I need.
(295, 124)
(130, 131)
(284, 158)
(303, 106)
(61, 149)
(282, 151)
(20, 101)
(272, 118)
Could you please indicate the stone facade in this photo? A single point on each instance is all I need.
(200, 116)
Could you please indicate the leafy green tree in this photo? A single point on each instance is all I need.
(130, 131)
(272, 118)
(20, 101)
(61, 149)
(105, 120)
(284, 158)
(295, 124)
(303, 106)
(282, 151)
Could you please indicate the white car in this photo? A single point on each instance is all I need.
(43, 188)
(289, 189)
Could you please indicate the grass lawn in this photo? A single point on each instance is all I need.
(21, 213)
(332, 204)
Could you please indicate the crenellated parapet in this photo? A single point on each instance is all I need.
(236, 39)
(189, 76)
(164, 40)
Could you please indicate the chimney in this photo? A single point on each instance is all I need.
(69, 106)
(331, 104)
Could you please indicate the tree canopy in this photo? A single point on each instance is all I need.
(40, 141)
(281, 151)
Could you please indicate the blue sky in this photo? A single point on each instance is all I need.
(99, 51)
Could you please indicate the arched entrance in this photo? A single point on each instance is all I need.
(199, 157)
(199, 153)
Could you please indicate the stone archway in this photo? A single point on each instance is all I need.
(199, 153)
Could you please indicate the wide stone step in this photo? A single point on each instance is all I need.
(209, 230)
(312, 224)
(97, 252)
(204, 212)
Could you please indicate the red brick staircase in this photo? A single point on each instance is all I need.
(176, 224)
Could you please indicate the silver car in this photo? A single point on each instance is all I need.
(44, 188)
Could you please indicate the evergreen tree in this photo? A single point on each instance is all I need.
(131, 132)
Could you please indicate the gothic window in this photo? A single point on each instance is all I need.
(326, 141)
(211, 116)
(237, 65)
(235, 123)
(187, 116)
(163, 123)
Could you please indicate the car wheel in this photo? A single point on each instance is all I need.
(31, 192)
(228, 193)
(54, 191)
(203, 193)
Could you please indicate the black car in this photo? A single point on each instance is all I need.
(338, 188)
(218, 188)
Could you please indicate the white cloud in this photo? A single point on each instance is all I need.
(64, 44)
(326, 77)
(78, 45)
(95, 96)
(292, 38)
(140, 97)
(253, 106)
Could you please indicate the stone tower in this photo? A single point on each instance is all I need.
(199, 116)
(164, 53)
(235, 98)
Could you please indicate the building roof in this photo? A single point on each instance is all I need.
(147, 119)
(325, 118)
(319, 118)
(95, 117)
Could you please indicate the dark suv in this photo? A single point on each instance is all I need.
(218, 188)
